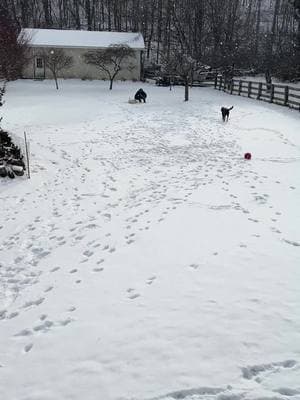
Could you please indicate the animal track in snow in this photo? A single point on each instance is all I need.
(98, 269)
(34, 302)
(54, 269)
(28, 347)
(12, 315)
(254, 371)
(24, 332)
(151, 280)
(44, 327)
(73, 271)
(253, 220)
(88, 253)
(134, 296)
(64, 322)
(291, 242)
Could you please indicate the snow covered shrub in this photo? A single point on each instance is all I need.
(11, 159)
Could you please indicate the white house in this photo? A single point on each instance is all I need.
(76, 44)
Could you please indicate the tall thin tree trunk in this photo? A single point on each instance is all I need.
(186, 90)
(257, 31)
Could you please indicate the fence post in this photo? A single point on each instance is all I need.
(286, 96)
(249, 88)
(220, 84)
(259, 90)
(240, 87)
(225, 83)
(231, 86)
(272, 93)
(27, 155)
(216, 81)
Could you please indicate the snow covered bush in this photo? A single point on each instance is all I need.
(11, 159)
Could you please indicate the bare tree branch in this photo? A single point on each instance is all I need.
(110, 60)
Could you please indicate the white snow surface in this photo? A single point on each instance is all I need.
(72, 38)
(145, 258)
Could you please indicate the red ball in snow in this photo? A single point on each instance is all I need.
(247, 156)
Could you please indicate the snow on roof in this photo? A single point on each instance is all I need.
(82, 39)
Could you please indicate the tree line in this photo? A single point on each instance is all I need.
(259, 34)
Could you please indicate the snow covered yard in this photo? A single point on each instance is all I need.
(146, 259)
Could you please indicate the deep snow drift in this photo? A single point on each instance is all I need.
(146, 259)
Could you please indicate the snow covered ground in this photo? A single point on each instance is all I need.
(146, 259)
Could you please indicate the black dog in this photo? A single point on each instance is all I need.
(225, 113)
(140, 96)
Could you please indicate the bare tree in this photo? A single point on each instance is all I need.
(110, 60)
(56, 61)
(180, 63)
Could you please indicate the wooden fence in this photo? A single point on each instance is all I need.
(283, 95)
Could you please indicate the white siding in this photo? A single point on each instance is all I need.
(82, 70)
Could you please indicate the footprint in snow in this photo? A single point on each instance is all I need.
(151, 280)
(23, 332)
(44, 327)
(134, 296)
(291, 242)
(253, 220)
(13, 315)
(88, 253)
(34, 302)
(28, 347)
(98, 269)
(54, 269)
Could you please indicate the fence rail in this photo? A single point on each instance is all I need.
(283, 95)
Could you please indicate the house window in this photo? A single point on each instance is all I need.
(39, 62)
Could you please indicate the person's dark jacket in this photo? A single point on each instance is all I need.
(140, 96)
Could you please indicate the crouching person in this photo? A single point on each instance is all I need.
(140, 96)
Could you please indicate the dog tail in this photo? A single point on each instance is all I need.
(230, 108)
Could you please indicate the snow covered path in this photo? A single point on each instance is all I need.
(146, 259)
